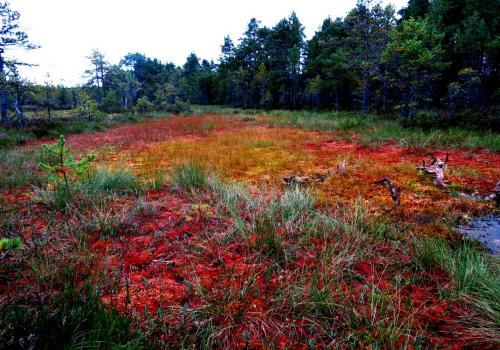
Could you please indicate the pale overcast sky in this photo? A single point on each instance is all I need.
(68, 30)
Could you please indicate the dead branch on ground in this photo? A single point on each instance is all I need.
(394, 190)
(437, 167)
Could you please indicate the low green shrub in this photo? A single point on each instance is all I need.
(10, 138)
(64, 165)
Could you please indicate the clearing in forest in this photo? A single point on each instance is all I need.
(244, 234)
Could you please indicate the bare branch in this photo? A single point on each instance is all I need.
(395, 191)
(437, 168)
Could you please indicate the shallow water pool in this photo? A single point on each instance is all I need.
(486, 230)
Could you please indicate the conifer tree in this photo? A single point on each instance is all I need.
(11, 36)
(64, 165)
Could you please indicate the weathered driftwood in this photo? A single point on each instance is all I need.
(493, 196)
(394, 190)
(437, 167)
(342, 168)
(320, 177)
(295, 180)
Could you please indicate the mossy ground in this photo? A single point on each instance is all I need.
(211, 250)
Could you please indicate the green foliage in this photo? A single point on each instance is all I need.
(73, 127)
(415, 9)
(474, 273)
(11, 36)
(314, 89)
(74, 319)
(190, 177)
(416, 49)
(464, 97)
(179, 106)
(144, 106)
(10, 138)
(18, 168)
(89, 192)
(87, 108)
(10, 243)
(105, 181)
(64, 164)
(375, 130)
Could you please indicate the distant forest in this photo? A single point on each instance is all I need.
(432, 63)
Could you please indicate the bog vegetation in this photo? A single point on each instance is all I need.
(295, 195)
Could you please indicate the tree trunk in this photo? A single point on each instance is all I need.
(49, 115)
(19, 110)
(125, 99)
(365, 92)
(395, 191)
(437, 168)
(384, 93)
(3, 86)
(73, 95)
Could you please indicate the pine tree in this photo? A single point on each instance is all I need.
(416, 56)
(64, 164)
(366, 37)
(97, 73)
(11, 36)
(415, 9)
(191, 72)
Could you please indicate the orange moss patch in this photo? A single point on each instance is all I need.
(140, 135)
(252, 154)
(258, 154)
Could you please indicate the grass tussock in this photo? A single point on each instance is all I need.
(190, 176)
(119, 180)
(475, 276)
(20, 169)
(74, 319)
(85, 191)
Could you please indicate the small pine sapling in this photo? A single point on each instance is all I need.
(65, 164)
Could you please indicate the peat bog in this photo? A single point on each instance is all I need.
(183, 234)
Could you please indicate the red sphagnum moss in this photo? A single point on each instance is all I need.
(177, 267)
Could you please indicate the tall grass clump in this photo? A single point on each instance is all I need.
(469, 267)
(119, 180)
(94, 187)
(19, 168)
(475, 276)
(233, 199)
(10, 138)
(190, 177)
(323, 121)
(296, 207)
(74, 319)
(215, 109)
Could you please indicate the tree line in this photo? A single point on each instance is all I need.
(435, 62)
